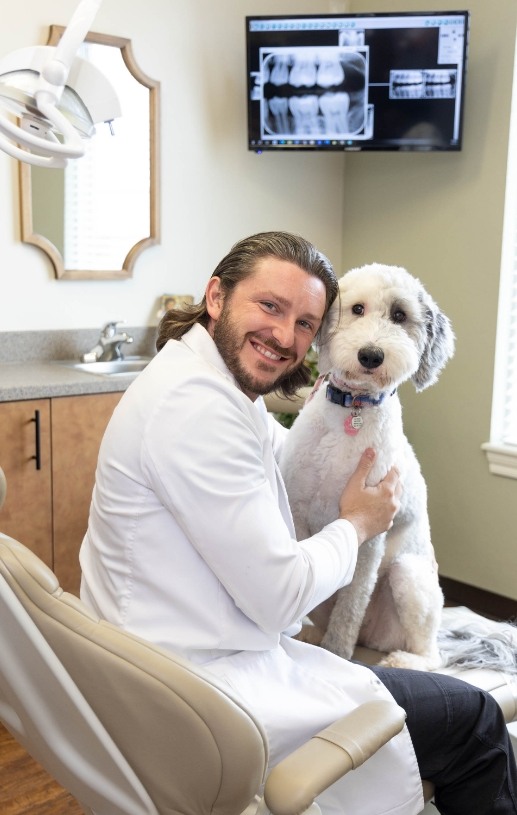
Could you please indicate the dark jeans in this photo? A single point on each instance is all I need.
(460, 739)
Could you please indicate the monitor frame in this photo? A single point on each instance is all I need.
(421, 58)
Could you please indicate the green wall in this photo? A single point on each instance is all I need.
(441, 216)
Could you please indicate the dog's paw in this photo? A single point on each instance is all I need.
(310, 633)
(403, 659)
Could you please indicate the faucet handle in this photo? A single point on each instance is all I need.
(110, 329)
(90, 356)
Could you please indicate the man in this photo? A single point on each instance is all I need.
(191, 545)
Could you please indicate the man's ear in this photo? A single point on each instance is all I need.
(214, 297)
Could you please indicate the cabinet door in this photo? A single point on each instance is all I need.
(25, 459)
(78, 424)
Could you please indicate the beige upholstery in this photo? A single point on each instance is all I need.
(130, 729)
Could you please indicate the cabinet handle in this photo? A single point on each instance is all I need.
(37, 457)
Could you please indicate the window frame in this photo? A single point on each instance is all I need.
(501, 452)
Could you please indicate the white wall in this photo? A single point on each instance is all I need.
(214, 191)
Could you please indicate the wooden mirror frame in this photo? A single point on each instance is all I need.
(27, 233)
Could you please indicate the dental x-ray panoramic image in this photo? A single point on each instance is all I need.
(314, 92)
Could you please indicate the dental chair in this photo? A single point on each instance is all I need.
(130, 729)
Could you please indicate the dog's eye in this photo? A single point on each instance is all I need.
(358, 309)
(398, 316)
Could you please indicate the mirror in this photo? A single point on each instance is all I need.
(94, 217)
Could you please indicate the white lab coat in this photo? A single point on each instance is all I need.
(191, 545)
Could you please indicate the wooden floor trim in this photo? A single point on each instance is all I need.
(484, 602)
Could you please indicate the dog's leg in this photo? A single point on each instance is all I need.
(418, 602)
(351, 601)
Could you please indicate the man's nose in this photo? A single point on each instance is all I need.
(283, 333)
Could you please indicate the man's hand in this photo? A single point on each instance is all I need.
(370, 509)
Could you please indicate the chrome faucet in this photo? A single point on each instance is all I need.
(109, 344)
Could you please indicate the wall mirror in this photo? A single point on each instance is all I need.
(94, 217)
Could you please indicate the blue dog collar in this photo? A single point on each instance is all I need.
(347, 399)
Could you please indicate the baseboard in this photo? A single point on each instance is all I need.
(484, 602)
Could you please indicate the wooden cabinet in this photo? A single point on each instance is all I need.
(26, 461)
(78, 424)
(47, 508)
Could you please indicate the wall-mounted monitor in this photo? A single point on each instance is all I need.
(380, 81)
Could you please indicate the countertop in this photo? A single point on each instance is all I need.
(37, 380)
(29, 366)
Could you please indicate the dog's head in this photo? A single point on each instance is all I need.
(382, 330)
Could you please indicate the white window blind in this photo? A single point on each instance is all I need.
(502, 448)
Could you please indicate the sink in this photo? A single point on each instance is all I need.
(128, 366)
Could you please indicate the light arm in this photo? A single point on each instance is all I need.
(31, 141)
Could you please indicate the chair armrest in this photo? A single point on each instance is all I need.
(295, 782)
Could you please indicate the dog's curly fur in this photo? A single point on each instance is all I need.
(384, 329)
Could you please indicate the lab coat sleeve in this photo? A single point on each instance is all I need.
(209, 462)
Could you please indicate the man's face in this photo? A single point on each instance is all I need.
(264, 329)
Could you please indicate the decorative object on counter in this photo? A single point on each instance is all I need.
(50, 99)
(168, 301)
(93, 218)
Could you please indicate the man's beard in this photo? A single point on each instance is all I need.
(229, 344)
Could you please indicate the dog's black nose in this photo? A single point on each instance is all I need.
(371, 356)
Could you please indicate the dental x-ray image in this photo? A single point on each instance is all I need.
(422, 84)
(313, 92)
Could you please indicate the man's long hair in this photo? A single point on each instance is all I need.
(239, 263)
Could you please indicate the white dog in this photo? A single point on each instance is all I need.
(383, 330)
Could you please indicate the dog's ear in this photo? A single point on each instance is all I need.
(322, 340)
(439, 346)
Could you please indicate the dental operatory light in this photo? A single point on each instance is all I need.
(51, 99)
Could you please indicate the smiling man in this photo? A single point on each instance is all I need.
(191, 545)
(264, 328)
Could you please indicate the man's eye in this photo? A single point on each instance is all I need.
(358, 309)
(305, 324)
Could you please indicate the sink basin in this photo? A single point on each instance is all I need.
(129, 366)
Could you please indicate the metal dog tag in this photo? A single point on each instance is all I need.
(353, 424)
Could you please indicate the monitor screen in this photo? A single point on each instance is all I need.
(380, 81)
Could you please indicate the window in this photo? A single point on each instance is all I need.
(502, 448)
